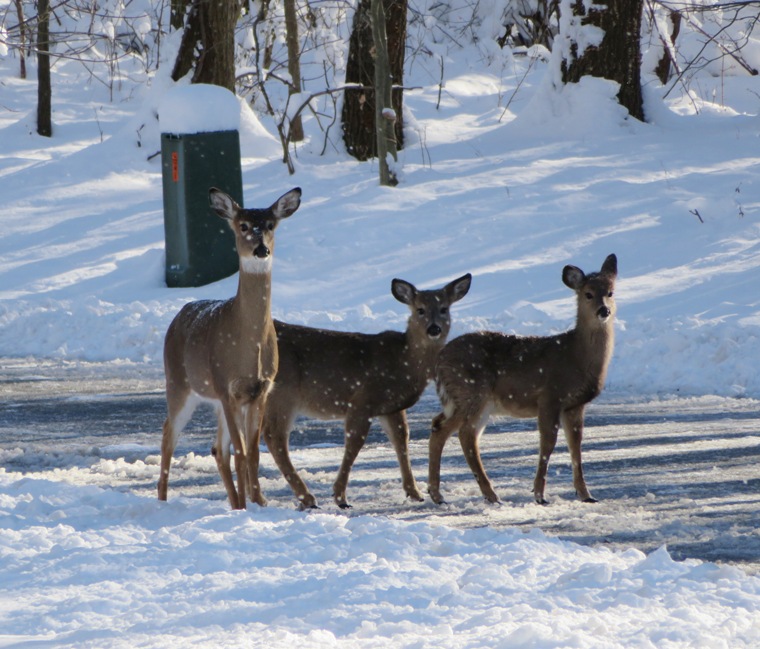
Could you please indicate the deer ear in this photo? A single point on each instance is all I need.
(609, 267)
(223, 204)
(457, 289)
(573, 277)
(403, 291)
(287, 204)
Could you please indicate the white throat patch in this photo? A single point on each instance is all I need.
(255, 265)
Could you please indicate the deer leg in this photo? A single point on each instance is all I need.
(233, 418)
(245, 398)
(254, 397)
(276, 431)
(397, 430)
(180, 411)
(254, 420)
(357, 429)
(548, 427)
(442, 428)
(469, 438)
(221, 453)
(168, 444)
(572, 423)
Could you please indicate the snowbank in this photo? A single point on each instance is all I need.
(97, 568)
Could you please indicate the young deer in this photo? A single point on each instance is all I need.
(551, 377)
(355, 377)
(225, 351)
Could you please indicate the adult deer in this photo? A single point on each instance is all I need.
(551, 377)
(225, 351)
(356, 377)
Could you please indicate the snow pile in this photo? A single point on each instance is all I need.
(82, 259)
(97, 568)
(198, 108)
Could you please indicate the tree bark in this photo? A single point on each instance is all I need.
(358, 117)
(294, 65)
(208, 43)
(44, 88)
(618, 56)
(177, 15)
(21, 39)
(666, 63)
(385, 117)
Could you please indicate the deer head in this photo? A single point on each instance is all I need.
(254, 228)
(595, 291)
(430, 315)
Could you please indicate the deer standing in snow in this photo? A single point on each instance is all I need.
(551, 377)
(225, 351)
(355, 377)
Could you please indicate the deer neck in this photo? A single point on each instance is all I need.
(253, 299)
(595, 344)
(421, 353)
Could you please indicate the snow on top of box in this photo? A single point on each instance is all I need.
(198, 108)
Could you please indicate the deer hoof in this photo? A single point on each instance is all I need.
(416, 496)
(344, 506)
(436, 497)
(307, 502)
(540, 500)
(590, 499)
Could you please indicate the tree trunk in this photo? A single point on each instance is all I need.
(358, 118)
(385, 116)
(21, 39)
(265, 49)
(666, 63)
(295, 132)
(178, 11)
(618, 56)
(208, 43)
(44, 89)
(186, 55)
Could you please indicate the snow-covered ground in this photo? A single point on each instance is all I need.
(91, 559)
(560, 177)
(101, 568)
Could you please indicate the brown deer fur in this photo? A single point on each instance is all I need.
(551, 377)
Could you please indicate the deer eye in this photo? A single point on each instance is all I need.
(244, 227)
(444, 310)
(610, 294)
(589, 295)
(420, 311)
(270, 226)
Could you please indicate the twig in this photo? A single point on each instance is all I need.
(517, 88)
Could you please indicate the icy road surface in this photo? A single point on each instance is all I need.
(679, 472)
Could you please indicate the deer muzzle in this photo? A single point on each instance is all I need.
(434, 331)
(603, 312)
(261, 251)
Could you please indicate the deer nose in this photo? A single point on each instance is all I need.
(434, 331)
(261, 251)
(603, 312)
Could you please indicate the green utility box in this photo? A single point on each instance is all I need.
(200, 247)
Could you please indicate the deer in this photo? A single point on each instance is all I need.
(356, 377)
(224, 352)
(549, 377)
